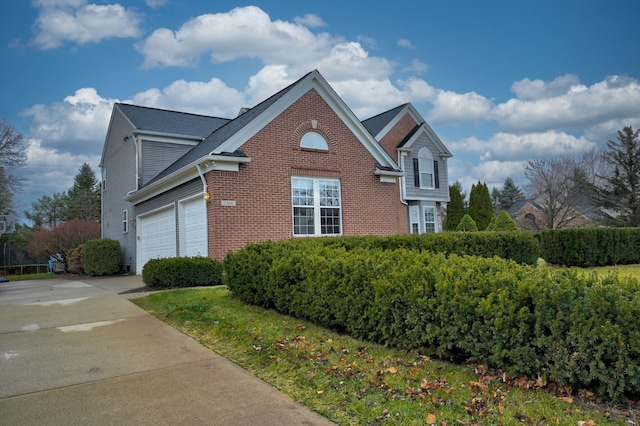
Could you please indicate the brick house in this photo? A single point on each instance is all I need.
(529, 215)
(299, 164)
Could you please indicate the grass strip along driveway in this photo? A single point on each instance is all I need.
(353, 382)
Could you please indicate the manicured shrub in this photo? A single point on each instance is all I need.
(587, 247)
(504, 222)
(101, 257)
(182, 272)
(467, 224)
(578, 332)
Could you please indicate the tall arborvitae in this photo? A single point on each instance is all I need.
(455, 208)
(480, 205)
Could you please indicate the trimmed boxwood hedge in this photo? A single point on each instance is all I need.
(578, 332)
(182, 272)
(101, 257)
(588, 247)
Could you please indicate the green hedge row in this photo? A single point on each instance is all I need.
(587, 247)
(100, 257)
(581, 333)
(182, 272)
(522, 247)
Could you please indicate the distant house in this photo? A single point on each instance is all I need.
(529, 215)
(299, 164)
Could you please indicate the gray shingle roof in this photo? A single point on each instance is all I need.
(171, 122)
(223, 133)
(376, 123)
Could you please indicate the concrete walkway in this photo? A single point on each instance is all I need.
(80, 353)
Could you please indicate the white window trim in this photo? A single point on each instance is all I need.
(414, 219)
(314, 140)
(125, 221)
(425, 167)
(424, 218)
(316, 206)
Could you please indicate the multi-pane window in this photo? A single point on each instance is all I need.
(316, 206)
(425, 162)
(125, 221)
(429, 219)
(414, 219)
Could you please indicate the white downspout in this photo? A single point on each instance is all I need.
(205, 192)
(403, 196)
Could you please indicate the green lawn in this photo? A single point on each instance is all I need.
(353, 382)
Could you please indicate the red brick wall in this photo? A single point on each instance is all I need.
(391, 140)
(261, 189)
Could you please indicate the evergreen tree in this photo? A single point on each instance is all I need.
(480, 205)
(510, 194)
(455, 208)
(467, 224)
(47, 211)
(504, 222)
(83, 198)
(620, 191)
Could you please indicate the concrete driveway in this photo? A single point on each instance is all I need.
(80, 353)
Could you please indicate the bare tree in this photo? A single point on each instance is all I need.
(552, 186)
(12, 155)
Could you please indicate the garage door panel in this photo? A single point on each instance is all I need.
(194, 218)
(156, 236)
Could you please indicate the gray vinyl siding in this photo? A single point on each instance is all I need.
(416, 193)
(171, 197)
(157, 156)
(119, 163)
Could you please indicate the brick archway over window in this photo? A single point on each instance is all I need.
(312, 126)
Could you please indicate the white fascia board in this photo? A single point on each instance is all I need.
(353, 123)
(167, 137)
(313, 81)
(187, 173)
(426, 130)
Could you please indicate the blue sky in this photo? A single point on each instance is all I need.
(500, 82)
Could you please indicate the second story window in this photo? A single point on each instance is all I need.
(425, 170)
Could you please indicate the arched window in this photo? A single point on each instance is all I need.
(313, 140)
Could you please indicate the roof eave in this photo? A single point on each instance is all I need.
(185, 174)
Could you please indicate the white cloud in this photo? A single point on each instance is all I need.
(78, 119)
(242, 32)
(494, 173)
(416, 67)
(564, 104)
(213, 98)
(310, 20)
(78, 22)
(52, 170)
(518, 147)
(450, 107)
(403, 42)
(154, 4)
(249, 32)
(537, 89)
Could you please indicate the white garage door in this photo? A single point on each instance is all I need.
(193, 228)
(156, 236)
